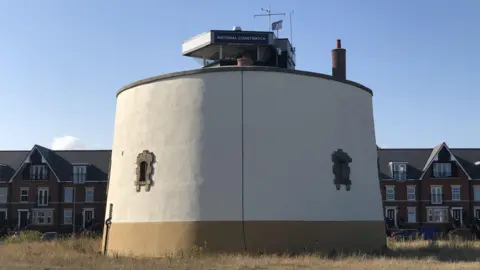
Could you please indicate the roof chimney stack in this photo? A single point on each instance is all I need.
(339, 62)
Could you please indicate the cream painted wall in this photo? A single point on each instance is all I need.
(193, 126)
(292, 124)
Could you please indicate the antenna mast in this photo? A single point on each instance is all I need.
(268, 12)
(291, 29)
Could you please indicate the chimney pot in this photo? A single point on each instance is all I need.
(339, 43)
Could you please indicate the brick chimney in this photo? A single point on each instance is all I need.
(339, 62)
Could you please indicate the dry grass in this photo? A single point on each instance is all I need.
(84, 254)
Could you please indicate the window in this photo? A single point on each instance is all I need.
(399, 171)
(390, 213)
(68, 194)
(143, 172)
(411, 193)
(3, 194)
(437, 215)
(89, 194)
(79, 174)
(412, 214)
(42, 197)
(442, 170)
(24, 194)
(67, 216)
(42, 217)
(456, 193)
(38, 172)
(390, 193)
(436, 195)
(477, 213)
(476, 193)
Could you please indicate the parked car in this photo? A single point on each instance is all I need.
(406, 234)
(49, 236)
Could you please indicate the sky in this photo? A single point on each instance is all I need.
(62, 62)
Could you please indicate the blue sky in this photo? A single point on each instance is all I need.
(61, 62)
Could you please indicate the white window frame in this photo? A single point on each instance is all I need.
(68, 216)
(46, 214)
(442, 170)
(43, 195)
(390, 190)
(436, 194)
(456, 196)
(3, 194)
(79, 173)
(83, 214)
(476, 193)
(411, 214)
(440, 212)
(461, 213)
(27, 190)
(411, 196)
(67, 199)
(38, 172)
(476, 211)
(87, 189)
(399, 170)
(19, 215)
(395, 209)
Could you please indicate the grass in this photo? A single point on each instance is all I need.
(26, 252)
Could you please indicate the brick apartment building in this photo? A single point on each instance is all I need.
(50, 190)
(429, 186)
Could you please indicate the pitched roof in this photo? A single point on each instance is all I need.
(61, 162)
(419, 159)
(435, 152)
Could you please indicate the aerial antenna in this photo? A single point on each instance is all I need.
(268, 12)
(291, 29)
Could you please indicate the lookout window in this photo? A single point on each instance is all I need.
(144, 170)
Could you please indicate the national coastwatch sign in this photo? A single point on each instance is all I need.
(239, 37)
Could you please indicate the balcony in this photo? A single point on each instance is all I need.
(36, 172)
(442, 174)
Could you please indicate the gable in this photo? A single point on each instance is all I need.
(37, 154)
(442, 153)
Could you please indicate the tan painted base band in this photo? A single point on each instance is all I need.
(163, 238)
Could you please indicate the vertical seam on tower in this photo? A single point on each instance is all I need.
(243, 168)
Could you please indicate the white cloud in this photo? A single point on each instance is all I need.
(67, 143)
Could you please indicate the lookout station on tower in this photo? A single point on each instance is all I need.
(240, 48)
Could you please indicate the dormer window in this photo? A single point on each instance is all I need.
(79, 174)
(442, 170)
(399, 170)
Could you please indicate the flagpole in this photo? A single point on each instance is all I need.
(268, 12)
